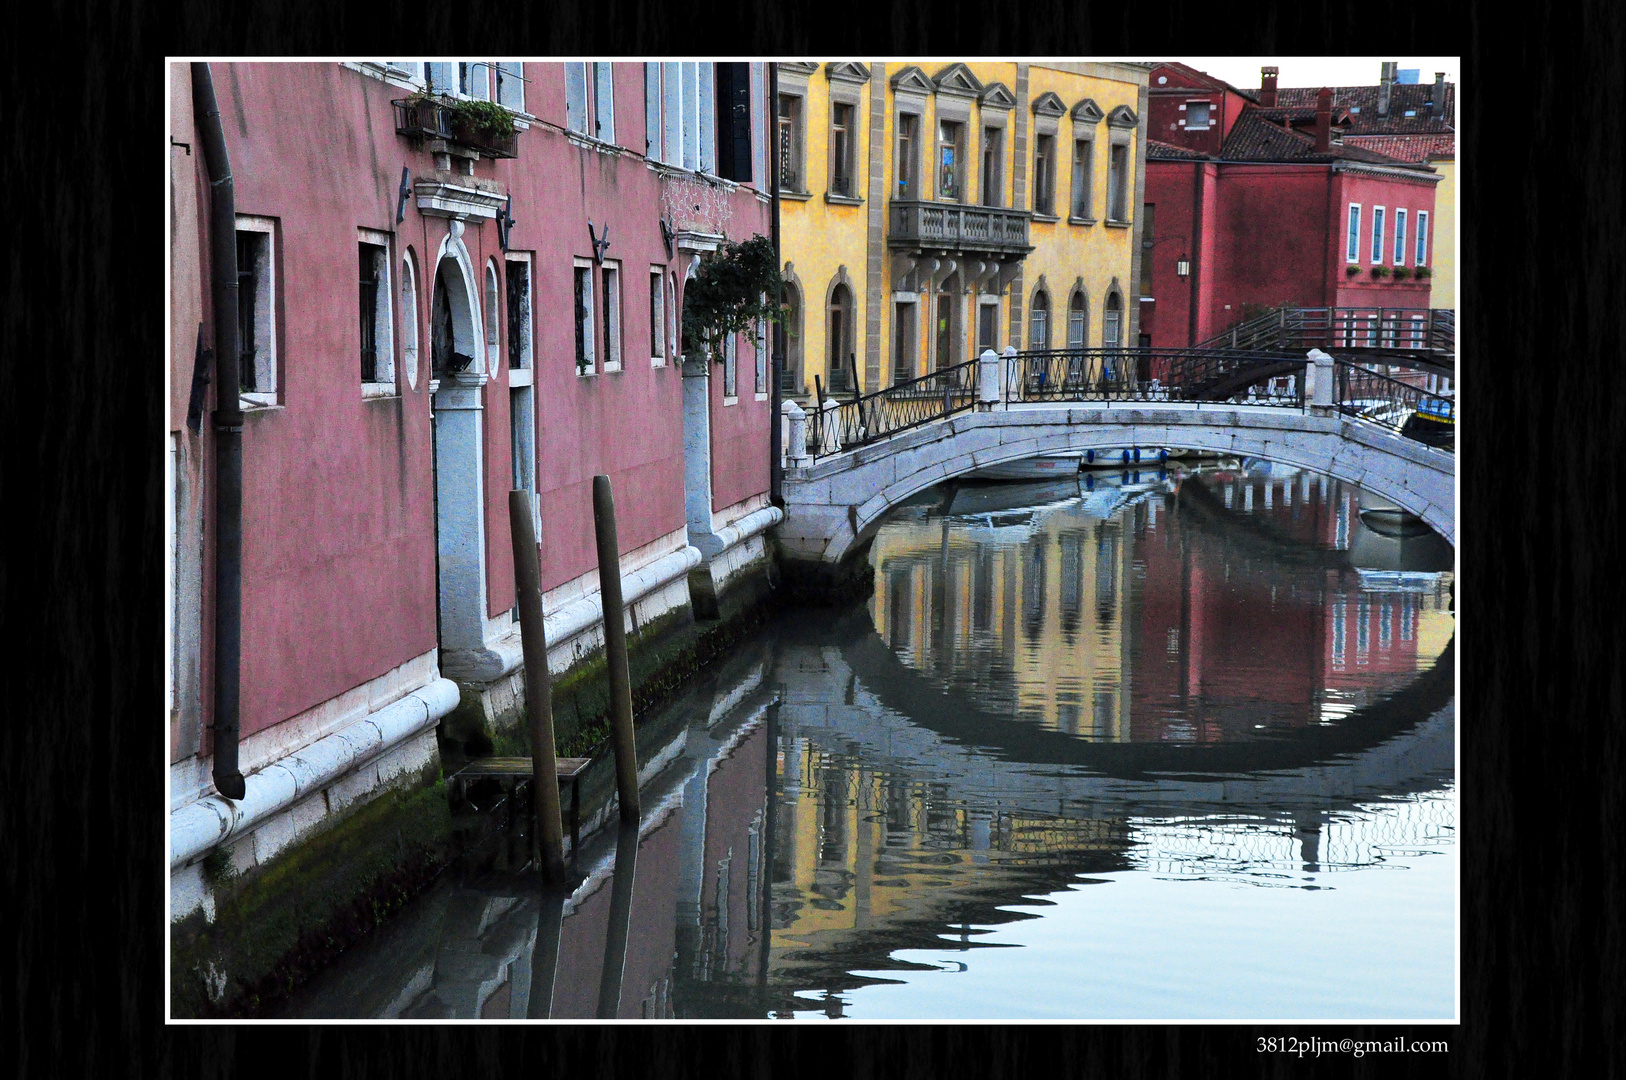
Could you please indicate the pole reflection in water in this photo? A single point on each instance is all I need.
(1160, 730)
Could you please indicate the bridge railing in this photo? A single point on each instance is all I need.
(837, 426)
(1151, 374)
(1398, 330)
(1400, 406)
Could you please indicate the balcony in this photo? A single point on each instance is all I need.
(448, 121)
(943, 226)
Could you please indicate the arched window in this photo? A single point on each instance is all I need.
(839, 354)
(440, 324)
(1112, 321)
(491, 316)
(409, 320)
(788, 332)
(1039, 322)
(1078, 321)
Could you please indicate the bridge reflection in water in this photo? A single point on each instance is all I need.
(1186, 683)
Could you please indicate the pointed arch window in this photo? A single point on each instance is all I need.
(1039, 322)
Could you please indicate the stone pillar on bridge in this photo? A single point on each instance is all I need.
(1318, 383)
(987, 380)
(1008, 392)
(796, 455)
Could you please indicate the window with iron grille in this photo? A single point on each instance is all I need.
(1077, 321)
(1039, 322)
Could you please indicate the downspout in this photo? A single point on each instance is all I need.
(228, 423)
(776, 477)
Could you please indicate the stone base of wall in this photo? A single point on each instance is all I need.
(271, 911)
(812, 582)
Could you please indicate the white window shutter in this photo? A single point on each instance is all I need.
(576, 96)
(691, 112)
(672, 105)
(652, 110)
(511, 86)
(707, 108)
(603, 103)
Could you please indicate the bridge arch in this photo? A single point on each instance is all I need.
(835, 505)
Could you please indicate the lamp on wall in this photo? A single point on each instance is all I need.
(1182, 266)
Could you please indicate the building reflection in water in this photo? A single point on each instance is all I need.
(1198, 606)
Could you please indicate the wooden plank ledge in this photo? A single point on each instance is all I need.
(567, 768)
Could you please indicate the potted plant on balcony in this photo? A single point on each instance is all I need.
(1351, 270)
(484, 125)
(1379, 273)
(1401, 273)
(1422, 273)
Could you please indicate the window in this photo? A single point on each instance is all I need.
(585, 356)
(1352, 251)
(1400, 238)
(1197, 115)
(409, 321)
(671, 314)
(256, 311)
(993, 166)
(1148, 212)
(522, 441)
(1083, 179)
(518, 273)
(1078, 321)
(987, 325)
(1112, 322)
(948, 316)
(842, 143)
(1377, 234)
(759, 350)
(511, 86)
(790, 341)
(1044, 182)
(948, 159)
(441, 341)
(611, 273)
(376, 321)
(590, 99)
(731, 368)
(492, 339)
(791, 175)
(903, 342)
(735, 111)
(838, 340)
(1118, 183)
(907, 169)
(1039, 322)
(657, 316)
(1422, 239)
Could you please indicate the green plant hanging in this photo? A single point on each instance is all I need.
(734, 290)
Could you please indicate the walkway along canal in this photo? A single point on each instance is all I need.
(1159, 745)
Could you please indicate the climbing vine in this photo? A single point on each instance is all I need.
(734, 290)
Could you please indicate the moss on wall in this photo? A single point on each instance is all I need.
(279, 923)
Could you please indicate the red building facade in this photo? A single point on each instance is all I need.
(1257, 206)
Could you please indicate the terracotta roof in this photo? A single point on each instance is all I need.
(1254, 137)
(1198, 80)
(1168, 151)
(1362, 101)
(1407, 147)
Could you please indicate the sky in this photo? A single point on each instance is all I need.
(1316, 71)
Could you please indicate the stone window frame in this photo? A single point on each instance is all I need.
(731, 370)
(1420, 255)
(614, 324)
(408, 302)
(996, 103)
(793, 80)
(680, 115)
(1041, 291)
(1378, 227)
(847, 85)
(1114, 292)
(954, 289)
(910, 341)
(1121, 126)
(849, 343)
(1086, 117)
(1079, 292)
(984, 302)
(586, 358)
(522, 379)
(793, 330)
(1352, 234)
(1186, 107)
(955, 91)
(491, 324)
(267, 294)
(657, 316)
(1398, 256)
(1047, 111)
(597, 99)
(761, 373)
(910, 91)
(383, 382)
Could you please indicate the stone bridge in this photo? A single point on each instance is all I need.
(833, 505)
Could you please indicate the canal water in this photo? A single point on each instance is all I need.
(1175, 744)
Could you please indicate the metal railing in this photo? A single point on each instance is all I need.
(1298, 330)
(1151, 374)
(834, 427)
(915, 223)
(1400, 406)
(431, 118)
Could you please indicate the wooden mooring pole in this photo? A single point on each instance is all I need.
(615, 649)
(549, 832)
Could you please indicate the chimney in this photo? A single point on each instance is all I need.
(1386, 82)
(1267, 86)
(1438, 101)
(1323, 121)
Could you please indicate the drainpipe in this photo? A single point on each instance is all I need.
(228, 423)
(776, 476)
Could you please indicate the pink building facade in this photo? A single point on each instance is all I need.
(430, 316)
(1266, 207)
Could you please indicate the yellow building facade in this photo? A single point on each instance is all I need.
(930, 211)
(1443, 293)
